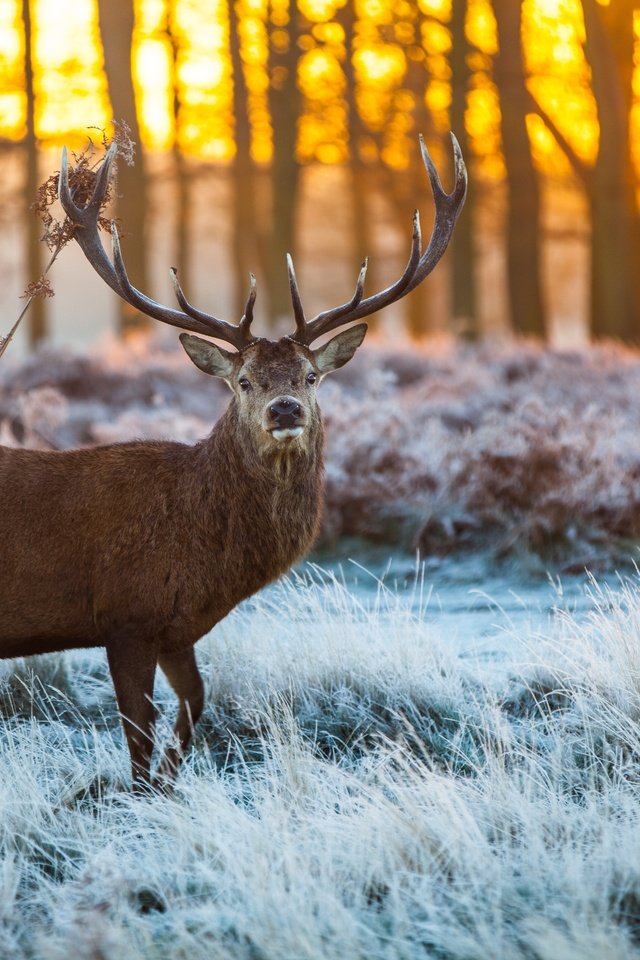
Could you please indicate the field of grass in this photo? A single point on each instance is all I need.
(359, 788)
(362, 785)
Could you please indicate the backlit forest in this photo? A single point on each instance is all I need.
(542, 95)
(423, 741)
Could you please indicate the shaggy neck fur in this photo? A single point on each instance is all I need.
(267, 498)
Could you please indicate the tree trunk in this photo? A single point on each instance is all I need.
(116, 27)
(36, 318)
(245, 226)
(362, 229)
(523, 218)
(285, 103)
(615, 244)
(463, 286)
(181, 173)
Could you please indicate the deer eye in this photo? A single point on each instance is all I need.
(244, 384)
(311, 378)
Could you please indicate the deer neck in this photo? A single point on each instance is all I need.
(268, 503)
(277, 465)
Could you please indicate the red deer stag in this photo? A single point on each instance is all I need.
(143, 547)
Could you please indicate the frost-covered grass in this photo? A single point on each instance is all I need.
(360, 786)
(358, 789)
(442, 447)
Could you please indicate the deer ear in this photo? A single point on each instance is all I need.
(339, 351)
(209, 358)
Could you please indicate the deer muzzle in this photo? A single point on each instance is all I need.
(285, 418)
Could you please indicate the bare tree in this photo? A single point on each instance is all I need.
(523, 218)
(246, 229)
(463, 285)
(360, 173)
(285, 103)
(182, 172)
(610, 183)
(615, 303)
(401, 191)
(116, 28)
(37, 324)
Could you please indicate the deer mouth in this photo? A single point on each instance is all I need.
(286, 433)
(285, 419)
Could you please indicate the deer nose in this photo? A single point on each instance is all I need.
(285, 412)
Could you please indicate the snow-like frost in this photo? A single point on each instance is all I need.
(356, 790)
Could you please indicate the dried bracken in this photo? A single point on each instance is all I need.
(525, 449)
(126, 145)
(82, 176)
(38, 288)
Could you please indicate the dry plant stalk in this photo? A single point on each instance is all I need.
(58, 233)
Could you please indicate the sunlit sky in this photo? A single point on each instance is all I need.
(193, 61)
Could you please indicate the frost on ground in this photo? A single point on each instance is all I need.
(530, 449)
(357, 789)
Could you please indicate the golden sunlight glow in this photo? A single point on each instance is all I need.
(554, 37)
(400, 64)
(153, 73)
(68, 66)
(12, 100)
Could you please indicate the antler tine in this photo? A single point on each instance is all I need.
(236, 334)
(448, 207)
(115, 275)
(330, 319)
(419, 266)
(298, 309)
(85, 214)
(247, 317)
(85, 218)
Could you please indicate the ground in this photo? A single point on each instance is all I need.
(367, 781)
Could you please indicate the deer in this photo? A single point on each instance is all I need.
(143, 547)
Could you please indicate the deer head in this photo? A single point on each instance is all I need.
(274, 382)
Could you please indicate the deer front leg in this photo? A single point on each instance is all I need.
(132, 663)
(182, 673)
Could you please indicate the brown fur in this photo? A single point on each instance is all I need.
(143, 547)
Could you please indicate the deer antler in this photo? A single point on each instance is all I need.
(419, 266)
(85, 219)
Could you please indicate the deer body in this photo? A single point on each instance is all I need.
(143, 547)
(146, 534)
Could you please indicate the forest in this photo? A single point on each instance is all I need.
(423, 740)
(541, 95)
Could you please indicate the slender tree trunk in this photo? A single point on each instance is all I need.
(183, 217)
(285, 104)
(615, 245)
(181, 172)
(116, 27)
(463, 286)
(36, 318)
(245, 225)
(362, 231)
(523, 219)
